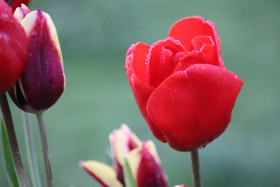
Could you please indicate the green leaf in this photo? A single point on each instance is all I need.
(128, 177)
(9, 164)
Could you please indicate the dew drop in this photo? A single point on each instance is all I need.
(203, 69)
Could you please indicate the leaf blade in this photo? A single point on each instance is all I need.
(9, 164)
(128, 177)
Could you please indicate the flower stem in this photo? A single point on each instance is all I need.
(9, 125)
(31, 151)
(195, 169)
(45, 148)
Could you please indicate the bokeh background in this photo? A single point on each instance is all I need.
(94, 36)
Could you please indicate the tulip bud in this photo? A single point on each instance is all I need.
(13, 48)
(182, 185)
(17, 3)
(103, 173)
(42, 81)
(122, 142)
(145, 166)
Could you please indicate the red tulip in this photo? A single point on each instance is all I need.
(181, 85)
(17, 3)
(13, 48)
(42, 81)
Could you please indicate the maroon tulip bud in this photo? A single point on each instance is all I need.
(145, 166)
(42, 81)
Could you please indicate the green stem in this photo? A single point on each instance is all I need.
(31, 151)
(45, 149)
(9, 125)
(195, 169)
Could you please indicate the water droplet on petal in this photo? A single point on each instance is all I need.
(203, 69)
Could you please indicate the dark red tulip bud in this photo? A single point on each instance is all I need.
(42, 81)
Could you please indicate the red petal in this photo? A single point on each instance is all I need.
(141, 91)
(139, 53)
(194, 107)
(186, 29)
(160, 60)
(199, 42)
(203, 54)
(13, 48)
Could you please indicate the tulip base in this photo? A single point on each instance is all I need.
(195, 169)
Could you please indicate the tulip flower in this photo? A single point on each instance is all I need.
(123, 141)
(141, 157)
(42, 81)
(145, 166)
(13, 48)
(181, 85)
(17, 3)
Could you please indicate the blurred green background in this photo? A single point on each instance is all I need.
(94, 37)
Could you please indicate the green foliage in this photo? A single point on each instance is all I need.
(9, 164)
(128, 177)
